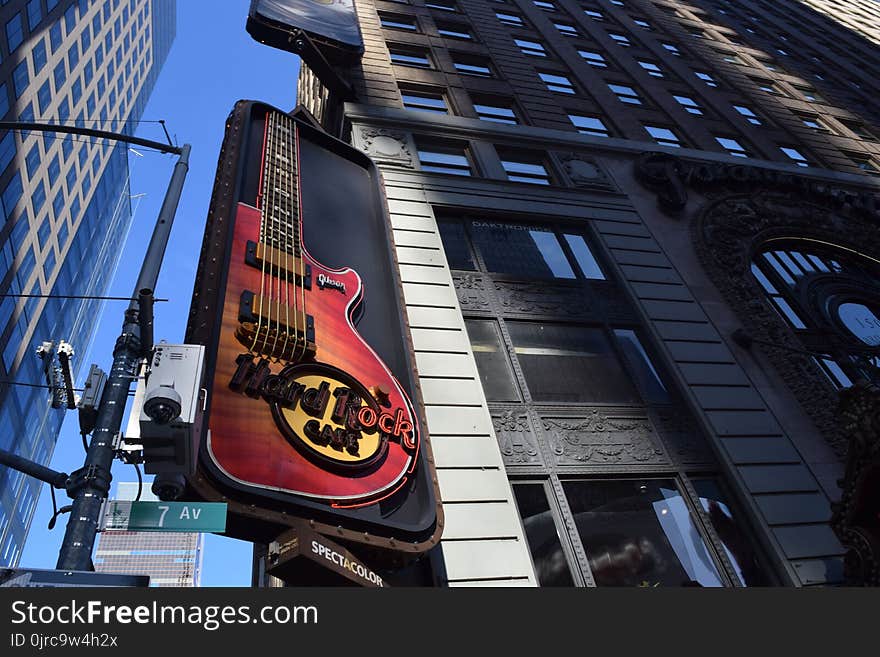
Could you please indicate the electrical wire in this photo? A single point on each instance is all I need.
(140, 482)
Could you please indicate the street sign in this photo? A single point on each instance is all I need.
(206, 517)
(38, 578)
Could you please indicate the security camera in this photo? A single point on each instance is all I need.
(168, 487)
(162, 404)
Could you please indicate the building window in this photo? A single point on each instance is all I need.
(690, 105)
(454, 30)
(815, 123)
(509, 19)
(625, 94)
(35, 14)
(751, 117)
(590, 125)
(593, 58)
(859, 130)
(620, 39)
(424, 101)
(545, 6)
(496, 110)
(795, 155)
(407, 56)
(663, 136)
(398, 22)
(653, 69)
(567, 30)
(20, 78)
(38, 56)
(642, 23)
(732, 146)
(810, 94)
(442, 5)
(14, 33)
(472, 65)
(558, 83)
(864, 163)
(595, 14)
(525, 167)
(672, 48)
(707, 78)
(531, 48)
(442, 158)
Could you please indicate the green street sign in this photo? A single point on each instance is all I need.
(202, 517)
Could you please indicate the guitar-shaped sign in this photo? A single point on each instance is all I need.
(300, 402)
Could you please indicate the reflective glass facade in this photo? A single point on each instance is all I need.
(66, 205)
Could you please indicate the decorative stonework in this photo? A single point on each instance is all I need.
(725, 235)
(541, 299)
(386, 146)
(600, 439)
(682, 438)
(515, 438)
(471, 291)
(855, 516)
(583, 171)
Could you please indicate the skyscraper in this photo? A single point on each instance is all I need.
(169, 558)
(639, 249)
(65, 200)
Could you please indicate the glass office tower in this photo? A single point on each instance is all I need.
(66, 205)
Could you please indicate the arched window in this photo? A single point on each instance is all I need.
(830, 297)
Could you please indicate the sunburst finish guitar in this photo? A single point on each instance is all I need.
(301, 406)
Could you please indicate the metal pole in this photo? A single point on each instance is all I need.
(90, 485)
(52, 477)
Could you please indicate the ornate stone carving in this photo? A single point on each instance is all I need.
(601, 439)
(541, 299)
(724, 236)
(662, 174)
(386, 146)
(471, 290)
(515, 438)
(583, 171)
(855, 517)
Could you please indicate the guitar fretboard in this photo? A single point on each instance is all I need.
(279, 204)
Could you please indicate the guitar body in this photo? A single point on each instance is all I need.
(309, 376)
(245, 440)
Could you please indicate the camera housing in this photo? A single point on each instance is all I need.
(169, 406)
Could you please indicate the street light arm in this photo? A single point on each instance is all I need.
(89, 132)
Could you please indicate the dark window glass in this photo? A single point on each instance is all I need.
(647, 378)
(551, 566)
(4, 100)
(44, 97)
(38, 55)
(14, 33)
(455, 244)
(424, 101)
(496, 110)
(521, 251)
(20, 78)
(7, 150)
(737, 543)
(639, 533)
(32, 160)
(569, 364)
(55, 36)
(491, 359)
(409, 57)
(35, 14)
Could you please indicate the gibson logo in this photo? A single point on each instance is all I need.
(325, 413)
(326, 281)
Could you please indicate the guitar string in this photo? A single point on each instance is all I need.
(262, 240)
(297, 256)
(271, 236)
(284, 198)
(299, 224)
(275, 303)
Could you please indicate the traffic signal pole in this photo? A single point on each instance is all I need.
(90, 485)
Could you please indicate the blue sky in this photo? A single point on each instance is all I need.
(213, 63)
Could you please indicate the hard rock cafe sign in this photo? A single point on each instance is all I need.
(307, 421)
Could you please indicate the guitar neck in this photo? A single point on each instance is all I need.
(279, 202)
